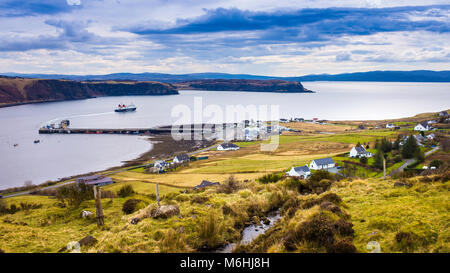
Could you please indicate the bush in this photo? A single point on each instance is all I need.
(130, 206)
(172, 242)
(229, 186)
(343, 246)
(318, 230)
(344, 228)
(363, 160)
(210, 231)
(125, 191)
(406, 241)
(436, 163)
(75, 194)
(199, 199)
(320, 175)
(270, 178)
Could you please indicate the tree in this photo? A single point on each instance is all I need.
(419, 155)
(436, 163)
(410, 147)
(358, 144)
(378, 162)
(396, 145)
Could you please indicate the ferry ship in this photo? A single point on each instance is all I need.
(125, 108)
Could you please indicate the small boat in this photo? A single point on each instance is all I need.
(15, 145)
(37, 141)
(125, 108)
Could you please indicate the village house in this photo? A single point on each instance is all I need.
(432, 122)
(359, 152)
(181, 158)
(419, 138)
(206, 183)
(443, 114)
(322, 163)
(422, 126)
(430, 136)
(390, 126)
(301, 172)
(226, 146)
(94, 180)
(160, 164)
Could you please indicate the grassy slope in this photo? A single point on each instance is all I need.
(47, 229)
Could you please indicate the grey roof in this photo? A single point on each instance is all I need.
(324, 161)
(182, 157)
(361, 150)
(88, 178)
(94, 179)
(302, 169)
(104, 180)
(206, 183)
(228, 145)
(424, 124)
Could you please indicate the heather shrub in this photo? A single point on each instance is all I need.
(125, 191)
(130, 206)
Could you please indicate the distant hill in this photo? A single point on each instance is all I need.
(277, 86)
(23, 90)
(386, 76)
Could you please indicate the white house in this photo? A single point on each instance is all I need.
(301, 172)
(181, 158)
(432, 122)
(323, 163)
(226, 146)
(360, 152)
(423, 126)
(390, 126)
(430, 137)
(161, 164)
(443, 114)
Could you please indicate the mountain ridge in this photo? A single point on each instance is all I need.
(378, 75)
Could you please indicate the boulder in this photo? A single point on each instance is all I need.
(166, 211)
(86, 214)
(87, 241)
(136, 220)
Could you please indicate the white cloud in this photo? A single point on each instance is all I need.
(73, 2)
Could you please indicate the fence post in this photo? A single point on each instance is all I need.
(157, 193)
(98, 205)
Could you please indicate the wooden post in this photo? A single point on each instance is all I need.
(157, 193)
(98, 205)
(384, 168)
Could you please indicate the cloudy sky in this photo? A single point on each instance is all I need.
(280, 38)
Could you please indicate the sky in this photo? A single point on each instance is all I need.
(277, 38)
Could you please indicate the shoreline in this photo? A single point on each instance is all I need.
(164, 147)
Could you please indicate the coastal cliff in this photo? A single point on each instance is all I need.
(276, 86)
(22, 90)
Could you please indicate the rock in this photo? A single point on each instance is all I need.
(136, 220)
(86, 214)
(402, 184)
(166, 211)
(87, 241)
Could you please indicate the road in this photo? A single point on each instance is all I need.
(412, 160)
(105, 174)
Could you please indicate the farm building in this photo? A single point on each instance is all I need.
(181, 158)
(322, 163)
(359, 152)
(390, 126)
(226, 146)
(301, 172)
(423, 126)
(94, 180)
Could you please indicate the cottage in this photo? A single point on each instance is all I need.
(181, 158)
(423, 126)
(390, 126)
(205, 184)
(430, 137)
(301, 172)
(419, 138)
(443, 114)
(432, 122)
(226, 146)
(359, 152)
(323, 163)
(161, 164)
(94, 180)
